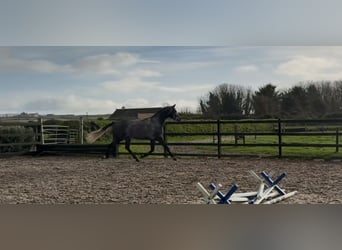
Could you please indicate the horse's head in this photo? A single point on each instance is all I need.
(166, 112)
(174, 114)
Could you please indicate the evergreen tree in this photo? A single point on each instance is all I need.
(266, 101)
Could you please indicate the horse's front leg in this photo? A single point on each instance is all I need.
(127, 146)
(153, 142)
(162, 142)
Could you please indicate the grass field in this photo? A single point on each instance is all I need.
(287, 151)
(266, 151)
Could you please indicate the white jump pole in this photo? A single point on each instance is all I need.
(260, 190)
(280, 198)
(205, 193)
(239, 199)
(246, 194)
(264, 195)
(257, 177)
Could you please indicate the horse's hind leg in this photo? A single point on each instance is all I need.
(127, 146)
(115, 150)
(112, 149)
(109, 149)
(151, 150)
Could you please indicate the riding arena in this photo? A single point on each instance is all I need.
(169, 173)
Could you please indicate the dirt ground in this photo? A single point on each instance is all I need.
(92, 180)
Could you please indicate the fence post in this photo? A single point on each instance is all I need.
(280, 152)
(337, 140)
(219, 139)
(165, 139)
(41, 130)
(235, 134)
(81, 130)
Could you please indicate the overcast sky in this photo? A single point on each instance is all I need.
(170, 22)
(142, 53)
(100, 79)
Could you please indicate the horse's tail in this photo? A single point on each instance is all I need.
(93, 136)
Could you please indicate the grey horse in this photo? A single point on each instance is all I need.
(148, 129)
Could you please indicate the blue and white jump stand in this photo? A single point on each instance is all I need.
(272, 194)
(224, 198)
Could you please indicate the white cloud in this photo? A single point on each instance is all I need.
(69, 104)
(137, 102)
(189, 66)
(111, 64)
(103, 64)
(23, 65)
(137, 84)
(141, 73)
(312, 68)
(80, 104)
(246, 68)
(129, 84)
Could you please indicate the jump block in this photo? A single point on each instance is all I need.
(216, 196)
(224, 199)
(208, 197)
(270, 182)
(265, 194)
(268, 192)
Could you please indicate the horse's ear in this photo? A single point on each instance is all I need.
(174, 105)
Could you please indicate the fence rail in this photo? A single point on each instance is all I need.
(281, 129)
(216, 133)
(58, 134)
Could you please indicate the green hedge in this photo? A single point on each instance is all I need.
(16, 134)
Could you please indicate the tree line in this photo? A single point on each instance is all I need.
(321, 99)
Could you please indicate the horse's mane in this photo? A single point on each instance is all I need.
(160, 111)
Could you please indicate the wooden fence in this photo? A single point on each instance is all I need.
(216, 139)
(219, 138)
(280, 130)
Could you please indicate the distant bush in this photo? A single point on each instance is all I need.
(336, 115)
(16, 134)
(73, 124)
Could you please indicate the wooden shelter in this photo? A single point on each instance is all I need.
(133, 114)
